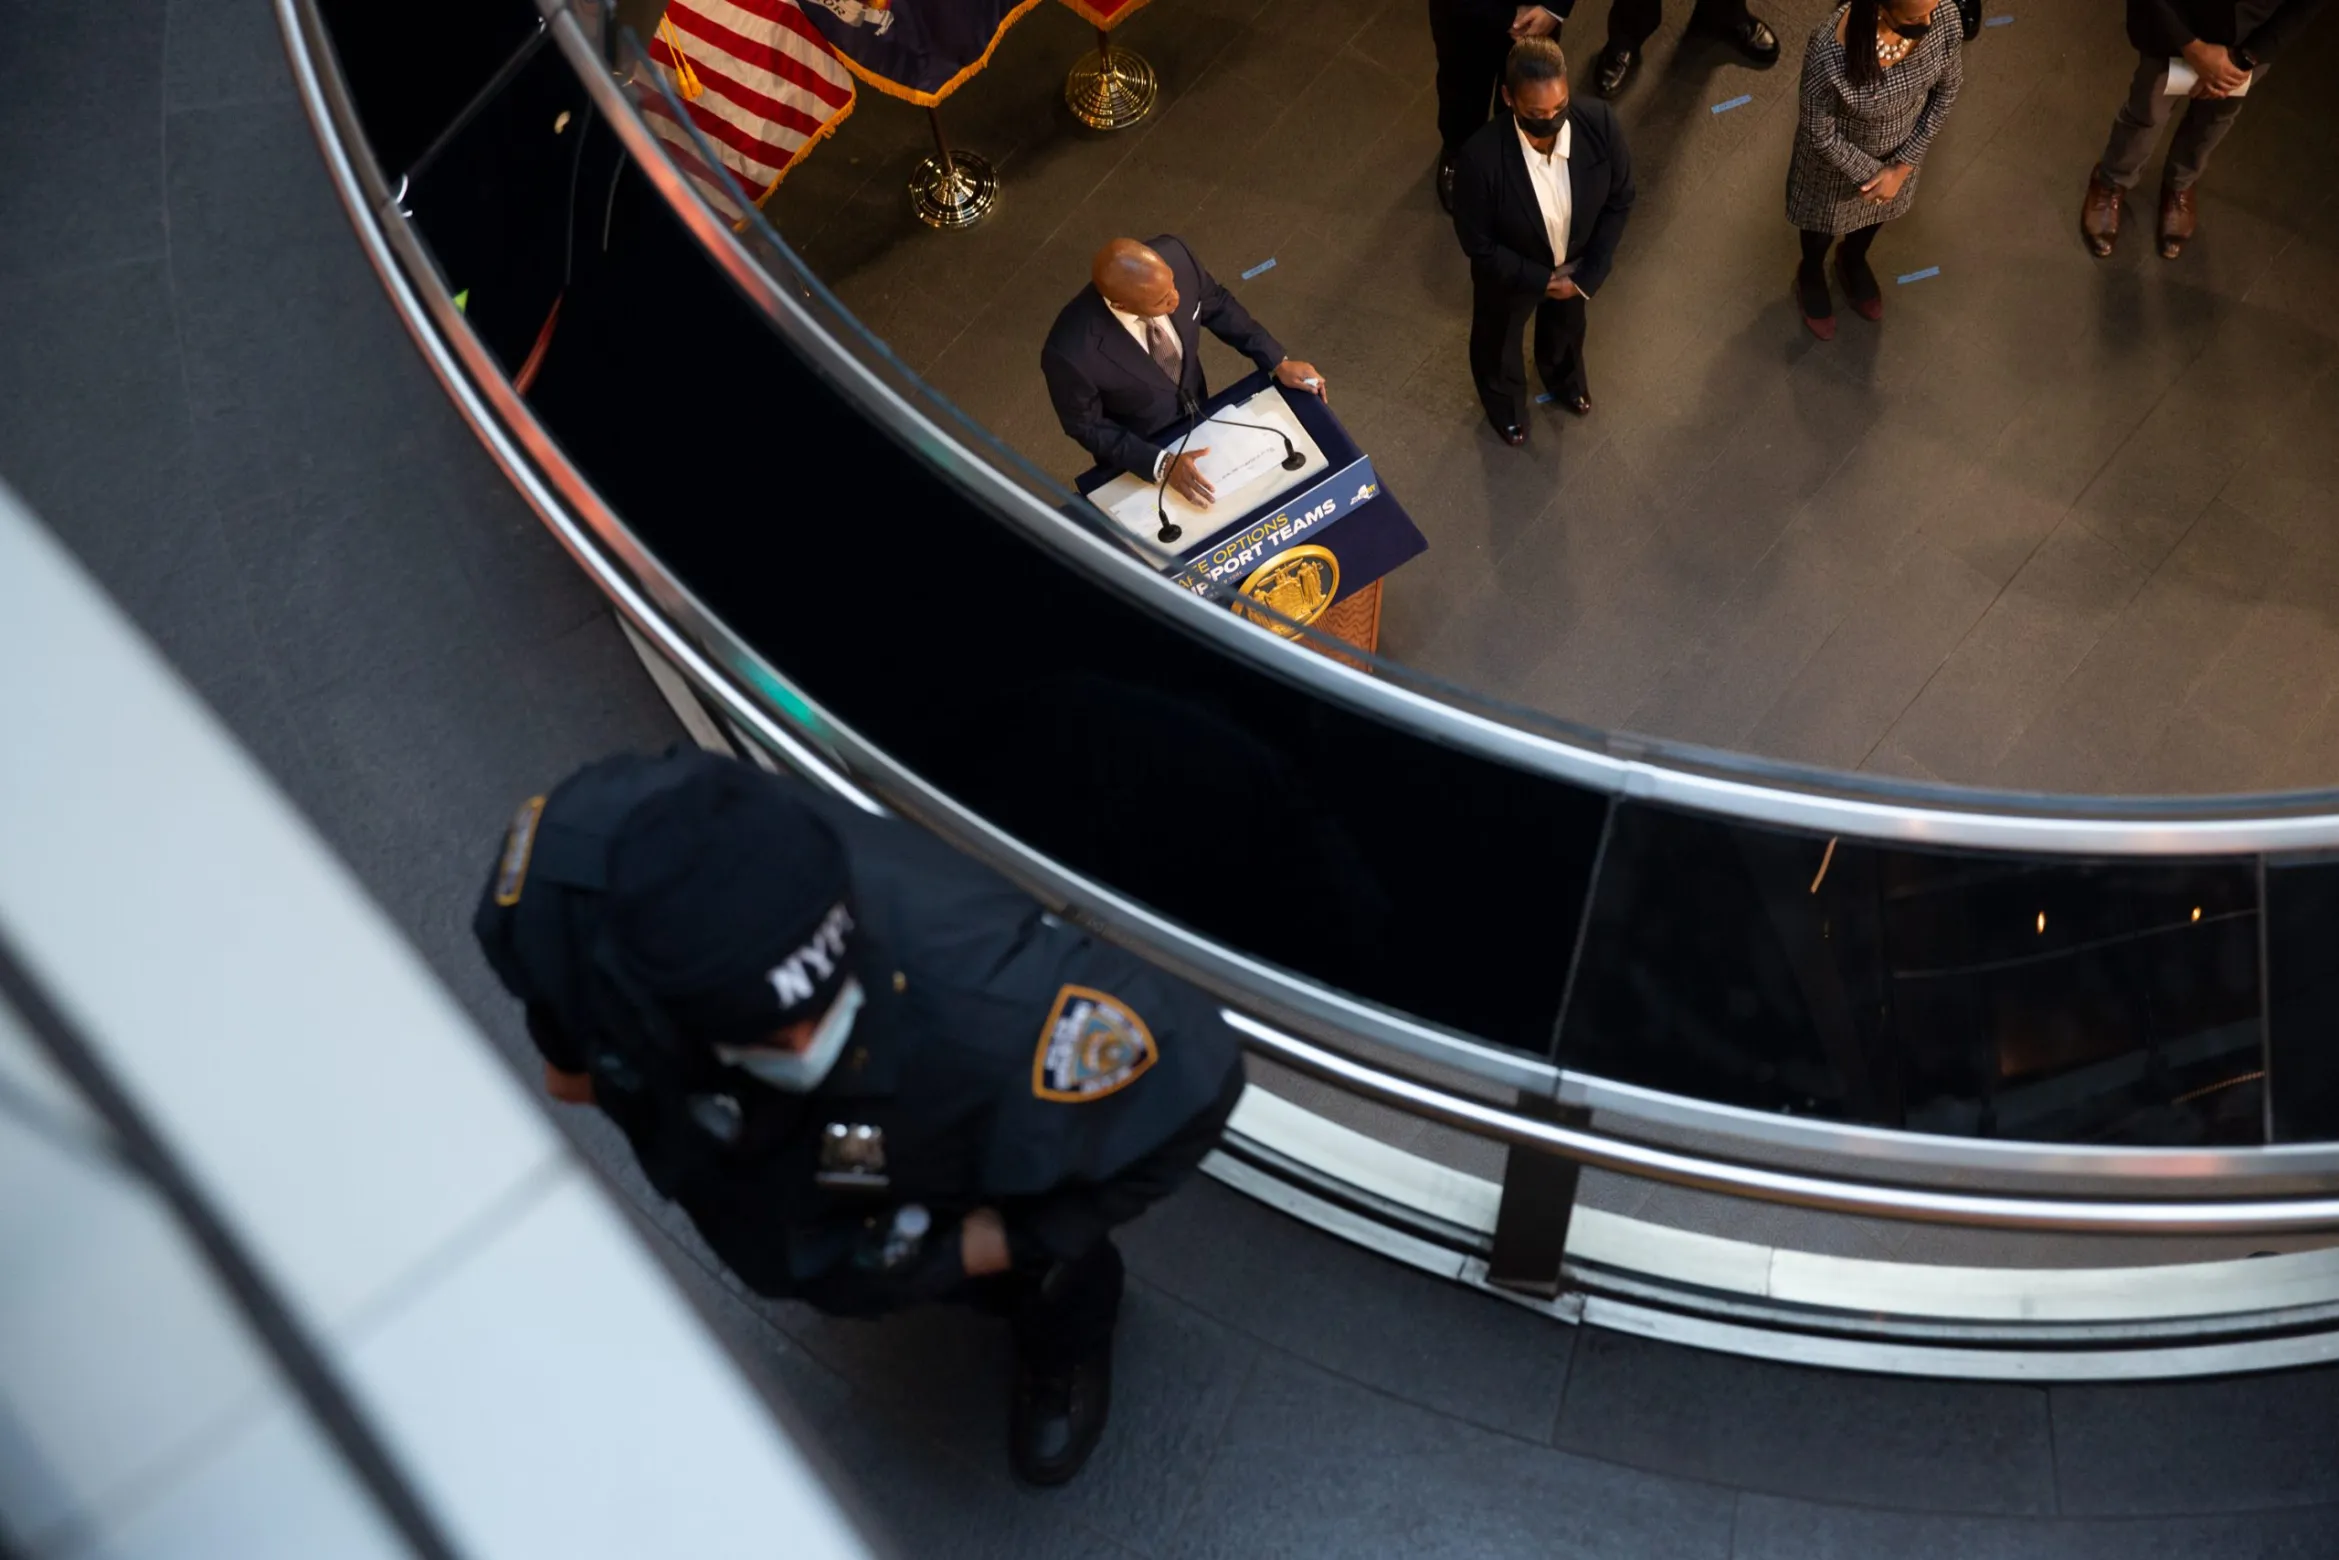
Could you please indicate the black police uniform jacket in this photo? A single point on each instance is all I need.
(1009, 1061)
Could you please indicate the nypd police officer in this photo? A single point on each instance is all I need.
(871, 1072)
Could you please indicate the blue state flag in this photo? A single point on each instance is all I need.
(921, 50)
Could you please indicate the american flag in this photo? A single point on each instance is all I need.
(757, 82)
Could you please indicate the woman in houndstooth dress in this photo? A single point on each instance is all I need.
(1878, 79)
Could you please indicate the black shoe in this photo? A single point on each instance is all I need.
(1812, 302)
(1613, 69)
(1581, 405)
(1057, 1418)
(1510, 433)
(1754, 39)
(1446, 182)
(1860, 286)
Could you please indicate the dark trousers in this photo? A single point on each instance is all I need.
(1497, 320)
(1061, 1315)
(1470, 59)
(2139, 122)
(1630, 22)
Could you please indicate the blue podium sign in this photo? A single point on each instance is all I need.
(1342, 518)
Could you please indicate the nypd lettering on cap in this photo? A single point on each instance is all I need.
(797, 976)
(1090, 1046)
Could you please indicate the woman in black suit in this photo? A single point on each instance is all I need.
(1540, 199)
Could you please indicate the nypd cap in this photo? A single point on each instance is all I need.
(728, 902)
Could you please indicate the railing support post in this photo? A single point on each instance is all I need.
(1538, 1201)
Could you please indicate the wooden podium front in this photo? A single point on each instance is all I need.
(1354, 618)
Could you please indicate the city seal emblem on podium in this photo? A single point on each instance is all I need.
(1298, 584)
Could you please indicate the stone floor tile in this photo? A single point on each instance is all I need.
(1772, 1529)
(2250, 1443)
(1316, 1465)
(1827, 1435)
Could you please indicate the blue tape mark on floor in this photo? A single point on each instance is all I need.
(1739, 101)
(1997, 21)
(1545, 399)
(1267, 264)
(1918, 276)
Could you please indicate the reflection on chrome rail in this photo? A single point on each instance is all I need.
(1867, 1170)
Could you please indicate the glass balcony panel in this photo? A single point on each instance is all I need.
(412, 67)
(2047, 1000)
(509, 196)
(2302, 997)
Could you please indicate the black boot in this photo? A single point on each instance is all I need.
(1613, 69)
(1057, 1418)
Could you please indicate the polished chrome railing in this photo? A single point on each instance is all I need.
(1848, 1169)
(1738, 786)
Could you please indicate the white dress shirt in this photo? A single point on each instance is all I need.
(1134, 324)
(1549, 177)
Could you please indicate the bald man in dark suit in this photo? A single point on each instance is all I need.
(1123, 360)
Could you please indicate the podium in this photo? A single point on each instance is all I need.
(1314, 544)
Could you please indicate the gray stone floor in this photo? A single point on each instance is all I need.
(2057, 524)
(205, 394)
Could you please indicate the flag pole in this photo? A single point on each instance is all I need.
(951, 190)
(1111, 89)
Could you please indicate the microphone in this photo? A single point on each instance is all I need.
(1190, 410)
(1292, 458)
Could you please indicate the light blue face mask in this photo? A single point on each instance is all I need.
(800, 1072)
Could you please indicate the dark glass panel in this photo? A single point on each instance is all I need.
(509, 193)
(1721, 962)
(2050, 999)
(1356, 853)
(411, 67)
(2302, 997)
(2081, 1002)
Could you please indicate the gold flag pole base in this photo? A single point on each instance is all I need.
(952, 190)
(1111, 89)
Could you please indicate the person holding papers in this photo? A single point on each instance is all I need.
(1540, 199)
(1123, 360)
(2205, 54)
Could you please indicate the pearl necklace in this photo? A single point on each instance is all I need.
(1894, 52)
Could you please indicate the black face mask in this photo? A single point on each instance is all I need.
(1912, 31)
(1540, 129)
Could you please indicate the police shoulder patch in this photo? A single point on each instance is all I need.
(1091, 1045)
(519, 842)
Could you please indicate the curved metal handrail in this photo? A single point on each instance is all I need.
(767, 708)
(1926, 1205)
(1641, 768)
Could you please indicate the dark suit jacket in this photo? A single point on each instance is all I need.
(2162, 28)
(1501, 227)
(1108, 392)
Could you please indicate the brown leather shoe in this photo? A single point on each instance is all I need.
(2099, 215)
(2177, 221)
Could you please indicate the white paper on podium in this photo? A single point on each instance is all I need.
(1233, 455)
(1245, 466)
